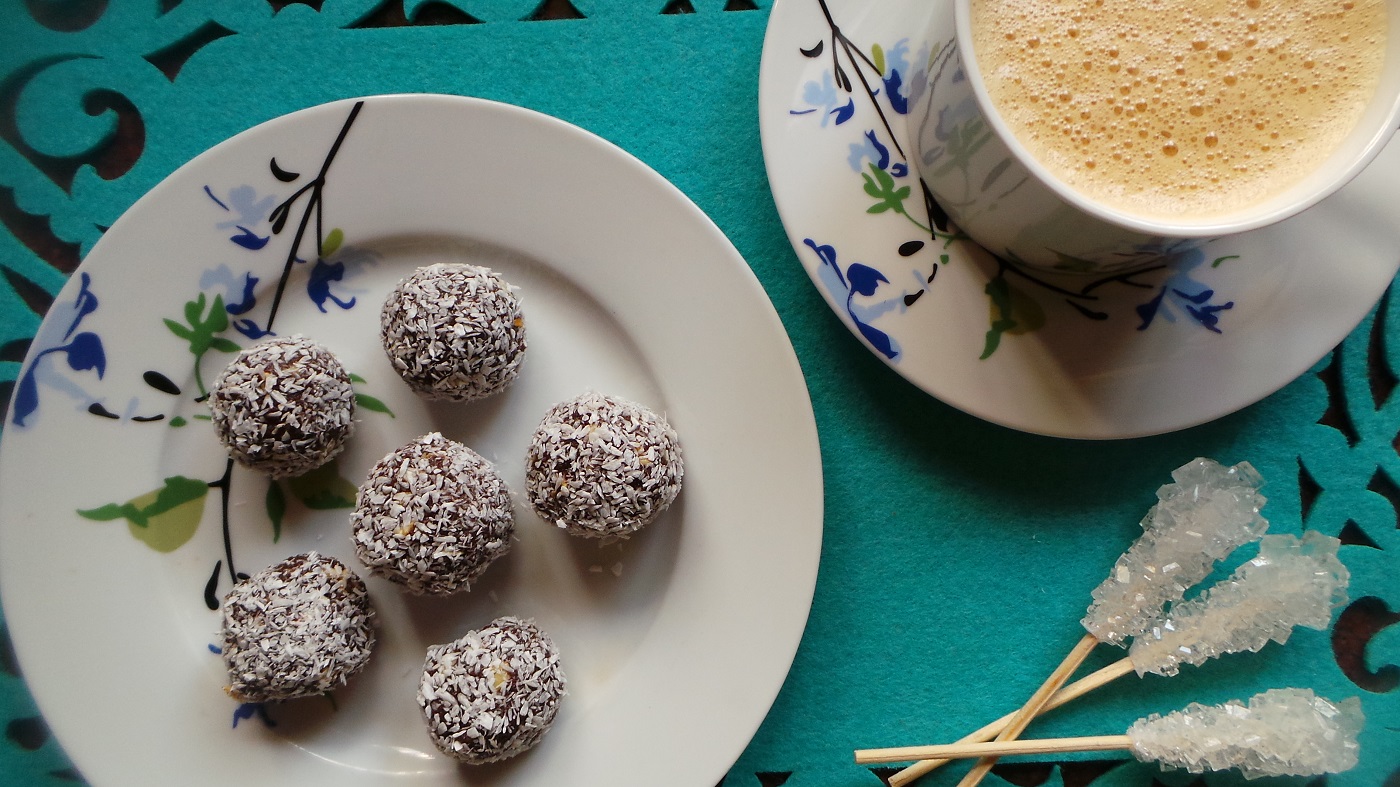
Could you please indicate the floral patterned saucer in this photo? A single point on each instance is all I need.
(1111, 356)
(123, 523)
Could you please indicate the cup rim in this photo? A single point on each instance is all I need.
(1377, 140)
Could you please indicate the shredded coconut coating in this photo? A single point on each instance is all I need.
(295, 629)
(432, 516)
(1283, 732)
(1291, 582)
(493, 693)
(1200, 518)
(454, 331)
(283, 407)
(602, 467)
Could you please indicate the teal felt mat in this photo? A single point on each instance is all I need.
(958, 556)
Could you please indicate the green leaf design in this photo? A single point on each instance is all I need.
(877, 54)
(323, 489)
(104, 513)
(202, 331)
(1221, 260)
(1011, 311)
(217, 322)
(276, 503)
(333, 241)
(880, 185)
(193, 310)
(178, 329)
(963, 142)
(163, 519)
(370, 403)
(1000, 294)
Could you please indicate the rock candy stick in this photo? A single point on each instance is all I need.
(1283, 732)
(1292, 582)
(1201, 517)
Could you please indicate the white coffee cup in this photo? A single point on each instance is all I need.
(1003, 198)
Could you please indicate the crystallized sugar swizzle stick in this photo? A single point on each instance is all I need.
(1200, 518)
(1291, 582)
(1283, 732)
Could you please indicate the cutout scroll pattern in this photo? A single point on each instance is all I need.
(93, 112)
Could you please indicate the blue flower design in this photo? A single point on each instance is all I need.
(248, 210)
(824, 98)
(238, 291)
(858, 279)
(346, 264)
(239, 296)
(1182, 295)
(82, 350)
(897, 65)
(318, 286)
(868, 149)
(250, 709)
(873, 150)
(251, 329)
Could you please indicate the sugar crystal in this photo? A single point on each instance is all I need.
(1200, 518)
(1283, 732)
(1292, 582)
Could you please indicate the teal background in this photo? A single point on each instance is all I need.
(958, 556)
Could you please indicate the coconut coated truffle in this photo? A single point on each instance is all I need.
(431, 516)
(602, 467)
(283, 407)
(493, 693)
(454, 331)
(295, 629)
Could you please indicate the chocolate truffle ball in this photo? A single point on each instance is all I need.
(283, 407)
(298, 628)
(432, 516)
(493, 693)
(454, 331)
(602, 467)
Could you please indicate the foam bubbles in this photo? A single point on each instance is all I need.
(1180, 107)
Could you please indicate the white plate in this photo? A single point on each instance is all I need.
(1080, 357)
(675, 643)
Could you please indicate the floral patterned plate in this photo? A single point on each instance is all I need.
(1059, 354)
(122, 523)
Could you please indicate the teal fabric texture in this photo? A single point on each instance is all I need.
(958, 556)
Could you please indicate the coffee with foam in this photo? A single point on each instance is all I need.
(1180, 108)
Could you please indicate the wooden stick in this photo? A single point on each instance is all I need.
(1069, 693)
(954, 751)
(1023, 717)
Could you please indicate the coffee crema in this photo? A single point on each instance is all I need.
(1180, 108)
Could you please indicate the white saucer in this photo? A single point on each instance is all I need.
(116, 536)
(1080, 357)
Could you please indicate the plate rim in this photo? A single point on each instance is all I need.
(806, 447)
